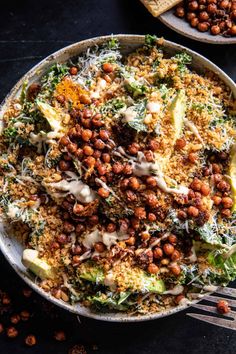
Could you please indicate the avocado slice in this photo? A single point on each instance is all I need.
(177, 110)
(53, 116)
(92, 273)
(38, 266)
(134, 279)
(232, 174)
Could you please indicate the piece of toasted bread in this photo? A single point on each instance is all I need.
(157, 7)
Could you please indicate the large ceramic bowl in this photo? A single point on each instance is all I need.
(12, 249)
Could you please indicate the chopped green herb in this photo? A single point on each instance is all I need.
(150, 40)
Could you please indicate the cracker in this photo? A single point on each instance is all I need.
(157, 7)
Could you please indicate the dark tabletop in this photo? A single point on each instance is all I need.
(29, 31)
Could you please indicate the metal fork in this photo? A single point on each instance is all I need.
(228, 320)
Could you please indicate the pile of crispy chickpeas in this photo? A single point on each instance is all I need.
(216, 16)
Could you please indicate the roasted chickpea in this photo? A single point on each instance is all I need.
(190, 16)
(128, 169)
(205, 189)
(62, 239)
(216, 199)
(111, 227)
(172, 239)
(175, 255)
(180, 12)
(182, 215)
(224, 4)
(227, 202)
(64, 165)
(223, 186)
(157, 253)
(153, 268)
(86, 135)
(99, 144)
(64, 140)
(88, 150)
(153, 145)
(215, 30)
(151, 181)
(99, 247)
(140, 213)
(30, 340)
(73, 70)
(175, 269)
(104, 193)
(168, 249)
(108, 67)
(90, 161)
(102, 170)
(15, 319)
(87, 113)
(203, 16)
(117, 168)
(152, 200)
(12, 332)
(206, 171)
(152, 217)
(203, 26)
(78, 209)
(76, 250)
(226, 213)
(192, 157)
(180, 144)
(194, 22)
(135, 223)
(134, 183)
(104, 135)
(131, 196)
(193, 5)
(72, 147)
(96, 121)
(196, 184)
(212, 8)
(130, 241)
(68, 227)
(106, 157)
(233, 30)
(223, 307)
(216, 168)
(193, 211)
(133, 148)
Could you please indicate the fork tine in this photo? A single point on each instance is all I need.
(214, 320)
(213, 309)
(215, 299)
(226, 291)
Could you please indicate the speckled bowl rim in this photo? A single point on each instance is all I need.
(182, 27)
(8, 245)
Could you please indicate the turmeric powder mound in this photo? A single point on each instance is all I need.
(73, 93)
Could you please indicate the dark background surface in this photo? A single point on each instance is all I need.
(29, 31)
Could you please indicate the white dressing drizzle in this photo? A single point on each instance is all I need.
(141, 167)
(193, 129)
(178, 289)
(73, 185)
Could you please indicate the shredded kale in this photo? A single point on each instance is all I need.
(10, 133)
(112, 106)
(113, 44)
(137, 122)
(150, 40)
(182, 59)
(136, 89)
(54, 75)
